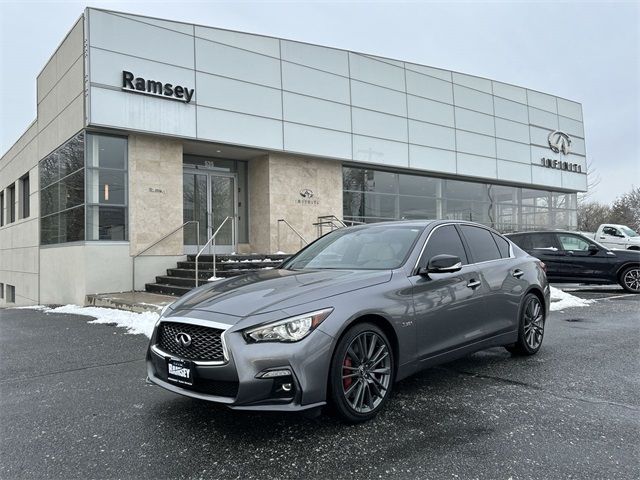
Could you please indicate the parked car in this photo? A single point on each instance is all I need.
(616, 237)
(573, 258)
(349, 315)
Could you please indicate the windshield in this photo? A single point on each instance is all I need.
(363, 248)
(629, 232)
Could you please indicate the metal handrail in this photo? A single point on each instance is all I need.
(330, 218)
(293, 229)
(133, 261)
(213, 239)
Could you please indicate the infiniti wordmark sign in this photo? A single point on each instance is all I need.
(131, 83)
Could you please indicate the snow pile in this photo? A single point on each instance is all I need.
(135, 323)
(213, 279)
(561, 300)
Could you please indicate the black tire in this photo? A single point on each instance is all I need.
(630, 279)
(531, 327)
(369, 371)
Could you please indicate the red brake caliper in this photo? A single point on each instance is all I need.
(346, 383)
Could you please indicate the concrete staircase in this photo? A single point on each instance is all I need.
(181, 279)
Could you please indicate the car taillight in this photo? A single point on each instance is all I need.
(543, 266)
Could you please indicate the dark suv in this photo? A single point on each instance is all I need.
(573, 258)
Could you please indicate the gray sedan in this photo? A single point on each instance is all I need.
(348, 316)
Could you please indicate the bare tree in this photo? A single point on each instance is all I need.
(591, 215)
(626, 209)
(593, 180)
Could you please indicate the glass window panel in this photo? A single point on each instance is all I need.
(426, 86)
(49, 169)
(71, 155)
(107, 152)
(539, 198)
(503, 245)
(573, 242)
(418, 207)
(475, 143)
(466, 190)
(72, 225)
(444, 241)
(358, 205)
(195, 207)
(50, 199)
(49, 229)
(107, 186)
(419, 186)
(480, 241)
(106, 223)
(353, 179)
(72, 190)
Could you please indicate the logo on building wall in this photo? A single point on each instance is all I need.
(133, 84)
(306, 193)
(559, 142)
(308, 197)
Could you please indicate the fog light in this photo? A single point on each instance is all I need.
(274, 374)
(286, 387)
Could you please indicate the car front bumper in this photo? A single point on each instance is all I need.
(236, 382)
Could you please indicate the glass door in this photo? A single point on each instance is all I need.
(209, 198)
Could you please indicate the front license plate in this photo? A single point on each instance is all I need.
(180, 371)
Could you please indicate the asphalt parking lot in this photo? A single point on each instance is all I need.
(74, 404)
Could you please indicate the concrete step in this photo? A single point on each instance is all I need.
(228, 265)
(240, 257)
(166, 289)
(204, 274)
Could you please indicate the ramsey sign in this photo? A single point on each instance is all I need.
(131, 83)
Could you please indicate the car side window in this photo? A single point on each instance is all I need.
(543, 241)
(523, 241)
(611, 231)
(503, 245)
(444, 240)
(481, 243)
(573, 243)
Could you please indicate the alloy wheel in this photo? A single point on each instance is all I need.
(533, 323)
(366, 372)
(632, 279)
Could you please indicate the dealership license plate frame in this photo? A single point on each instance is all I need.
(176, 368)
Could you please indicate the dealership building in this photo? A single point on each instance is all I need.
(146, 124)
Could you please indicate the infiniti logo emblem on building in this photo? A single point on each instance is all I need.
(559, 142)
(183, 339)
(306, 193)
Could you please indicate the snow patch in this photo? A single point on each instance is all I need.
(561, 300)
(213, 279)
(135, 323)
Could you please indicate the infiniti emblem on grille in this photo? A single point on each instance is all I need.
(183, 339)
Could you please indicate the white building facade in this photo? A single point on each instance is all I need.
(144, 124)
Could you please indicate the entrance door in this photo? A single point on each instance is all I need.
(209, 198)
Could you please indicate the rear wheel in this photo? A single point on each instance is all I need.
(531, 329)
(630, 279)
(362, 373)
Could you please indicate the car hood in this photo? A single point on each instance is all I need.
(278, 289)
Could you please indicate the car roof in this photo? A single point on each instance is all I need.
(419, 223)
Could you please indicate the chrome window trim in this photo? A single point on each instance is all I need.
(201, 323)
(424, 246)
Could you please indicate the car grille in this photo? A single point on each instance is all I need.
(206, 342)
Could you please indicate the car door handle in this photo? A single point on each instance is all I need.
(473, 284)
(517, 273)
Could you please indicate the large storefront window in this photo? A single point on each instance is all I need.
(62, 193)
(373, 196)
(106, 187)
(69, 211)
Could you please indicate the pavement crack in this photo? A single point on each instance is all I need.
(595, 401)
(58, 372)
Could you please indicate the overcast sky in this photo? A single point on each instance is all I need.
(584, 51)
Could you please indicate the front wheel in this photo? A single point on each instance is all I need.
(531, 327)
(362, 373)
(630, 279)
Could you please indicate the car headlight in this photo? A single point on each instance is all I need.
(165, 309)
(288, 330)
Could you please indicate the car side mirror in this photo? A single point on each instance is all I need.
(593, 248)
(442, 264)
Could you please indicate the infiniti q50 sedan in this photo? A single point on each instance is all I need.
(348, 316)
